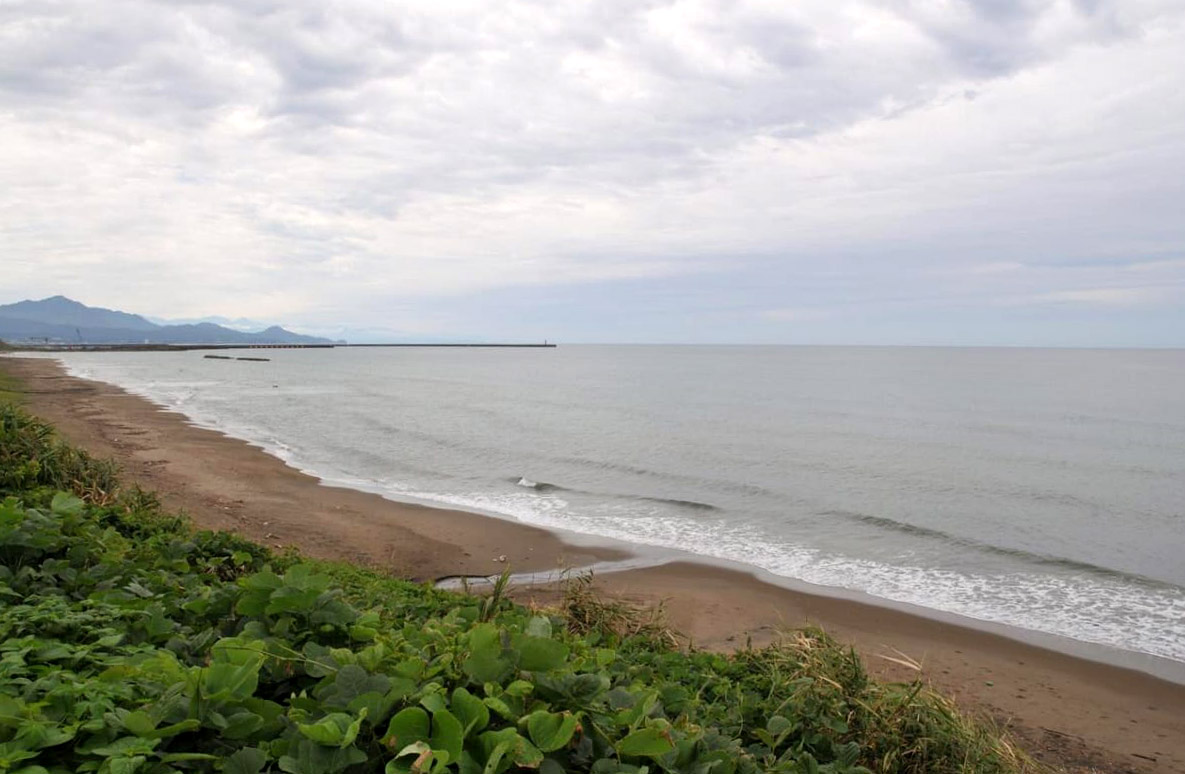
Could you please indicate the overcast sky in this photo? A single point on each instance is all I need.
(814, 171)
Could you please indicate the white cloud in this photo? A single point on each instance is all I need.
(293, 159)
(1105, 297)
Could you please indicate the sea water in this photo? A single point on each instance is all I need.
(1041, 489)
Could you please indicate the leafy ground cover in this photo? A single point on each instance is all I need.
(9, 389)
(133, 644)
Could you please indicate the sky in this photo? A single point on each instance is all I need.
(908, 172)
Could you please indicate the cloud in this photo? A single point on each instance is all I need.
(1105, 297)
(798, 314)
(303, 160)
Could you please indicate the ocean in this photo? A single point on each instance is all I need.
(1038, 489)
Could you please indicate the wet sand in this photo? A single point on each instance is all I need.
(1077, 713)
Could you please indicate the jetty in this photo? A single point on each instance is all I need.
(84, 347)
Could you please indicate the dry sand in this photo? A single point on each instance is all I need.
(1076, 713)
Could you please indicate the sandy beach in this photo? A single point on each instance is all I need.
(1070, 711)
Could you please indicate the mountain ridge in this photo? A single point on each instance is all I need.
(58, 319)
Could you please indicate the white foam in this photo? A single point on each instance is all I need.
(1082, 608)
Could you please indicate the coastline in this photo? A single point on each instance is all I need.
(1072, 710)
(229, 484)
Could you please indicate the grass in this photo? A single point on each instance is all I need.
(10, 388)
(600, 618)
(132, 644)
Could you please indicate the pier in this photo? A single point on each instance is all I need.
(83, 347)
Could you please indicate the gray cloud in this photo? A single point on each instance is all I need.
(333, 151)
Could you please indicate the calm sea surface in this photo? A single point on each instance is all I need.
(1043, 489)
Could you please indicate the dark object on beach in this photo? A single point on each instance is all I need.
(254, 359)
(217, 357)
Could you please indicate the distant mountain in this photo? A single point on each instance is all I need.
(59, 310)
(236, 324)
(61, 320)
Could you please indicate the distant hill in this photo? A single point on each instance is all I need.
(61, 320)
(59, 310)
(236, 324)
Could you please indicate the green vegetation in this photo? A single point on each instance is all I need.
(132, 644)
(9, 390)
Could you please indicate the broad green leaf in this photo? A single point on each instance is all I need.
(306, 577)
(126, 765)
(258, 590)
(519, 689)
(539, 626)
(361, 633)
(183, 727)
(287, 599)
(126, 746)
(239, 681)
(240, 650)
(638, 711)
(485, 668)
(494, 759)
(10, 711)
(270, 711)
(307, 757)
(333, 612)
(584, 688)
(11, 754)
(499, 706)
(539, 654)
(447, 734)
(486, 663)
(550, 731)
(38, 736)
(646, 742)
(526, 755)
(434, 702)
(329, 730)
(248, 760)
(485, 637)
(354, 728)
(517, 748)
(337, 729)
(470, 710)
(66, 504)
(241, 725)
(410, 668)
(351, 682)
(408, 725)
(835, 724)
(777, 725)
(376, 705)
(139, 723)
(427, 759)
(468, 764)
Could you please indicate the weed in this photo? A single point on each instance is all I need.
(603, 619)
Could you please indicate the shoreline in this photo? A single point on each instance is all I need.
(1062, 707)
(227, 483)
